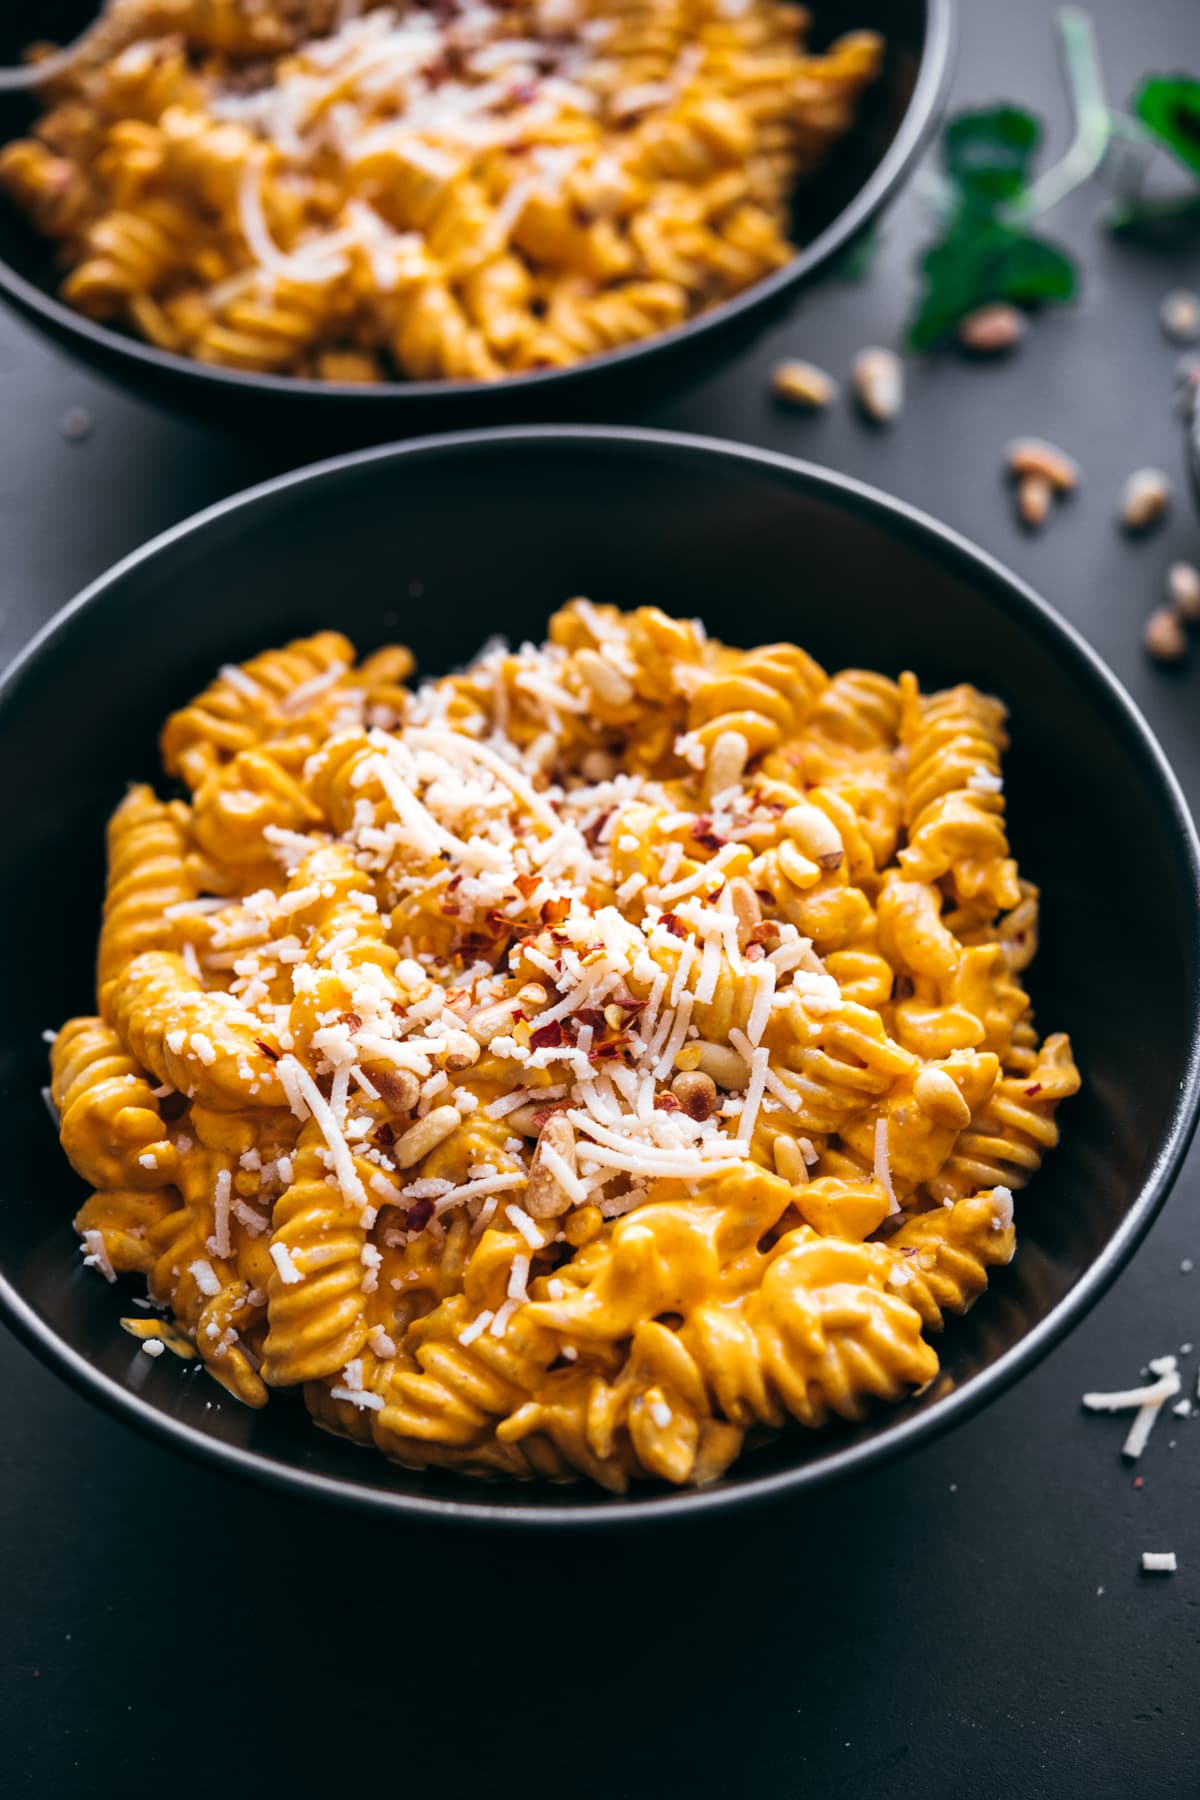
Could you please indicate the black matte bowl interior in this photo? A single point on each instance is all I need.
(864, 171)
(445, 542)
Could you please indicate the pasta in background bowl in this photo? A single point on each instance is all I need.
(521, 1300)
(389, 204)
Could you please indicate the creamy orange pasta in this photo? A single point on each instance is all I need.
(570, 1066)
(459, 189)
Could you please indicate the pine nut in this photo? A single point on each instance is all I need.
(491, 1021)
(459, 1051)
(1033, 456)
(607, 684)
(1164, 637)
(789, 1162)
(938, 1096)
(802, 384)
(531, 996)
(696, 1093)
(726, 763)
(545, 1197)
(878, 377)
(746, 909)
(688, 1057)
(527, 1120)
(815, 832)
(397, 1088)
(1035, 497)
(1187, 385)
(425, 1136)
(1183, 586)
(724, 1065)
(1180, 316)
(990, 330)
(1144, 500)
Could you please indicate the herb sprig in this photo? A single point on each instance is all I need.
(989, 198)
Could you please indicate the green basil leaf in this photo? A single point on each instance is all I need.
(1169, 106)
(988, 153)
(981, 259)
(1033, 271)
(956, 276)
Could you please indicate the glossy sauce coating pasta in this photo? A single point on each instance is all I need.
(571, 1065)
(460, 190)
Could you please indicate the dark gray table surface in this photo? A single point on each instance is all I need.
(970, 1621)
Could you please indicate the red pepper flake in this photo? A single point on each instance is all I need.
(451, 909)
(702, 831)
(526, 885)
(755, 953)
(543, 1112)
(384, 1136)
(1137, 1481)
(765, 895)
(673, 924)
(606, 1052)
(418, 1215)
(555, 911)
(267, 1050)
(523, 93)
(453, 883)
(764, 931)
(591, 835)
(665, 1103)
(546, 1035)
(1035, 1089)
(351, 1020)
(589, 1015)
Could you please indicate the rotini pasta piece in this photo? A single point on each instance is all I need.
(109, 1119)
(835, 1064)
(450, 1395)
(198, 1042)
(316, 1308)
(821, 1335)
(125, 1218)
(1005, 1143)
(654, 1420)
(954, 803)
(147, 876)
(944, 1255)
(239, 802)
(241, 709)
(216, 1308)
(764, 696)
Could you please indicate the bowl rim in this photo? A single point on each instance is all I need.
(920, 115)
(945, 544)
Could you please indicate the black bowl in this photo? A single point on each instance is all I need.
(864, 172)
(449, 540)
